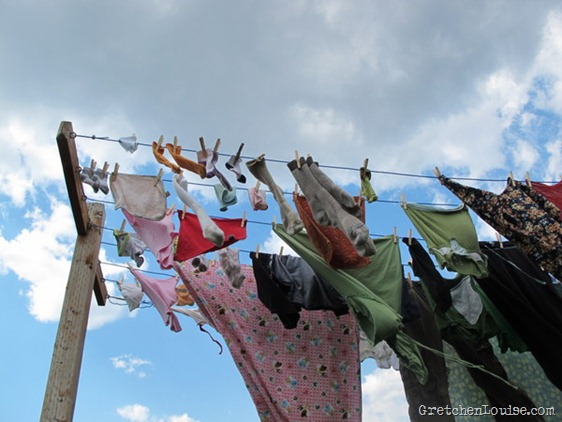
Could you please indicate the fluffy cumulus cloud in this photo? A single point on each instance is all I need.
(139, 413)
(130, 364)
(383, 397)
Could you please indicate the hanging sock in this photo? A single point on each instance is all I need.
(185, 163)
(257, 199)
(201, 263)
(129, 143)
(210, 166)
(132, 293)
(97, 179)
(226, 197)
(259, 170)
(366, 188)
(158, 151)
(233, 164)
(209, 228)
(332, 210)
(230, 264)
(128, 244)
(183, 296)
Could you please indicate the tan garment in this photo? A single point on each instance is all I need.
(141, 196)
(186, 163)
(184, 298)
(158, 152)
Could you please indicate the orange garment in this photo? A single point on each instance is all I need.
(184, 298)
(186, 163)
(330, 242)
(158, 152)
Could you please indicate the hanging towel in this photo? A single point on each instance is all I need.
(141, 196)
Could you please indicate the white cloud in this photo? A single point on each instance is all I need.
(553, 168)
(140, 413)
(134, 412)
(383, 397)
(130, 364)
(274, 243)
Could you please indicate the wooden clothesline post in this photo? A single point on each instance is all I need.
(85, 275)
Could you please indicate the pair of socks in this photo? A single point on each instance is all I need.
(259, 170)
(225, 197)
(210, 230)
(331, 205)
(209, 158)
(230, 264)
(95, 179)
(200, 263)
(158, 151)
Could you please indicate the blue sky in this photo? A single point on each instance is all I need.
(472, 88)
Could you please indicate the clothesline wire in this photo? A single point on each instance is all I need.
(274, 160)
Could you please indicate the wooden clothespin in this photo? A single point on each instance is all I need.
(172, 209)
(104, 169)
(296, 190)
(403, 201)
(175, 142)
(184, 209)
(159, 176)
(499, 239)
(281, 251)
(121, 279)
(116, 169)
(363, 170)
(409, 237)
(273, 220)
(92, 167)
(511, 178)
(257, 185)
(238, 153)
(528, 179)
(160, 141)
(257, 250)
(409, 280)
(203, 147)
(217, 145)
(243, 222)
(297, 158)
(395, 235)
(436, 172)
(123, 223)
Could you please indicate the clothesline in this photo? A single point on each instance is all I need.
(274, 160)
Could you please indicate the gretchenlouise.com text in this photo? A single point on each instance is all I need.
(485, 410)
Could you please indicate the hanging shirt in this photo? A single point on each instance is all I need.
(141, 196)
(162, 293)
(191, 241)
(157, 235)
(450, 236)
(533, 227)
(310, 373)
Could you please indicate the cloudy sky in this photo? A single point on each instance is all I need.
(472, 87)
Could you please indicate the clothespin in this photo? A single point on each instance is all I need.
(409, 280)
(123, 223)
(116, 169)
(159, 176)
(395, 235)
(257, 250)
(237, 156)
(92, 167)
(499, 239)
(121, 279)
(184, 211)
(172, 209)
(511, 178)
(403, 200)
(297, 158)
(281, 251)
(257, 185)
(175, 142)
(274, 220)
(409, 237)
(243, 222)
(217, 145)
(160, 141)
(296, 188)
(363, 171)
(203, 147)
(528, 179)
(104, 169)
(436, 172)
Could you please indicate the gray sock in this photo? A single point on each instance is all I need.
(344, 198)
(330, 210)
(291, 220)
